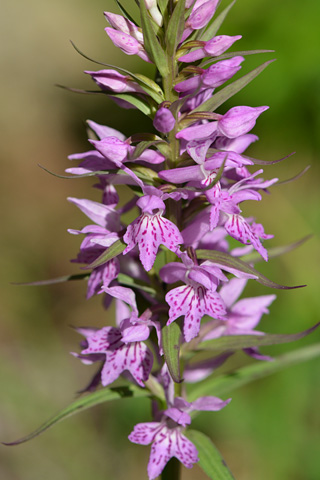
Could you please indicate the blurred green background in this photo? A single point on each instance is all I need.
(271, 428)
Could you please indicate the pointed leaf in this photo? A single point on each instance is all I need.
(83, 403)
(125, 13)
(163, 5)
(214, 26)
(111, 252)
(224, 56)
(223, 258)
(151, 87)
(210, 459)
(151, 42)
(275, 251)
(140, 79)
(66, 278)
(142, 146)
(171, 335)
(238, 342)
(137, 101)
(229, 382)
(133, 283)
(296, 177)
(91, 174)
(175, 28)
(268, 162)
(227, 92)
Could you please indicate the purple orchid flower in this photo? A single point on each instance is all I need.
(202, 12)
(127, 43)
(166, 434)
(150, 230)
(213, 48)
(213, 77)
(114, 81)
(164, 121)
(119, 354)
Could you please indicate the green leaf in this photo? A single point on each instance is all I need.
(131, 282)
(226, 383)
(256, 161)
(231, 55)
(238, 342)
(145, 173)
(142, 146)
(151, 87)
(227, 92)
(275, 251)
(175, 28)
(91, 174)
(125, 13)
(222, 258)
(213, 28)
(163, 5)
(66, 278)
(210, 459)
(140, 79)
(111, 252)
(151, 42)
(85, 402)
(171, 335)
(137, 101)
(296, 177)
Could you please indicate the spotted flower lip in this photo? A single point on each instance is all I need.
(150, 230)
(166, 435)
(134, 357)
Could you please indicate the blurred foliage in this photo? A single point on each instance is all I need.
(271, 428)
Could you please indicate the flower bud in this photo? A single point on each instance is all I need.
(113, 80)
(164, 121)
(154, 12)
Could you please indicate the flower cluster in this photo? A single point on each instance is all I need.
(177, 260)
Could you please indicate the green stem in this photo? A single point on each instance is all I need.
(172, 470)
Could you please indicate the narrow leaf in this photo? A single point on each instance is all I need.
(137, 101)
(140, 79)
(238, 342)
(275, 251)
(83, 403)
(151, 42)
(111, 252)
(91, 174)
(131, 282)
(142, 146)
(268, 162)
(210, 459)
(214, 26)
(66, 278)
(223, 258)
(163, 6)
(150, 87)
(243, 53)
(175, 28)
(296, 177)
(125, 13)
(229, 382)
(227, 92)
(171, 335)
